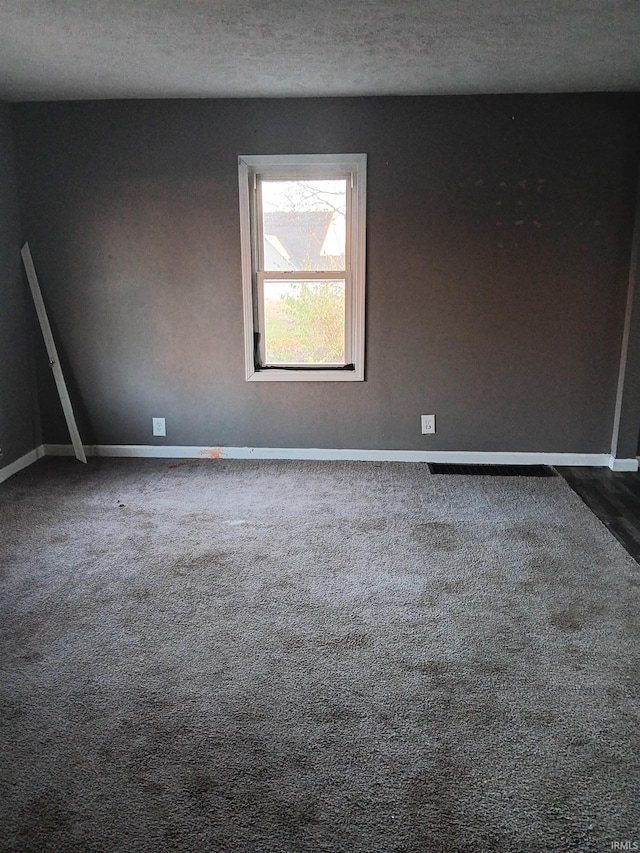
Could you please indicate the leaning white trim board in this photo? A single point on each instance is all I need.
(52, 352)
(23, 462)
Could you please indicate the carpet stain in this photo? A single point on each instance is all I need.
(567, 620)
(332, 712)
(453, 587)
(12, 710)
(352, 640)
(138, 515)
(430, 799)
(546, 572)
(244, 716)
(151, 786)
(45, 818)
(437, 668)
(297, 814)
(201, 788)
(203, 562)
(370, 525)
(527, 534)
(58, 539)
(31, 657)
(6, 561)
(438, 535)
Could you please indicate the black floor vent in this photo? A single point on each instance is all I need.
(493, 470)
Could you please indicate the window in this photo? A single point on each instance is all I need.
(303, 258)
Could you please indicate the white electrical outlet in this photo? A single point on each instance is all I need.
(159, 427)
(428, 423)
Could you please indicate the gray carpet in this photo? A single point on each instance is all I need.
(282, 656)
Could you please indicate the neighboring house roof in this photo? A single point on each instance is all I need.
(300, 240)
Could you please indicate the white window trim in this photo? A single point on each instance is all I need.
(292, 166)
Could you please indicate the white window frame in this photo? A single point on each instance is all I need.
(309, 166)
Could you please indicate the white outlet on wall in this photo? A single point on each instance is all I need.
(428, 424)
(159, 427)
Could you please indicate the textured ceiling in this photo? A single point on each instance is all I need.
(67, 49)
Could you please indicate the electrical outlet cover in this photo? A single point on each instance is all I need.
(428, 424)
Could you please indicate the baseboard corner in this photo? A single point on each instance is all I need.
(623, 464)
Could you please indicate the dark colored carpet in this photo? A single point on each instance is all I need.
(281, 656)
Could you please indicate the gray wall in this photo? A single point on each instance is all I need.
(499, 232)
(19, 432)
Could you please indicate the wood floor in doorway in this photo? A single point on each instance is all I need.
(614, 497)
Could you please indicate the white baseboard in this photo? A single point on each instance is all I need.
(466, 457)
(24, 462)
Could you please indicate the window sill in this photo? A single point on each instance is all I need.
(275, 375)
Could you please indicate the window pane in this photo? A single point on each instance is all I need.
(304, 224)
(304, 322)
